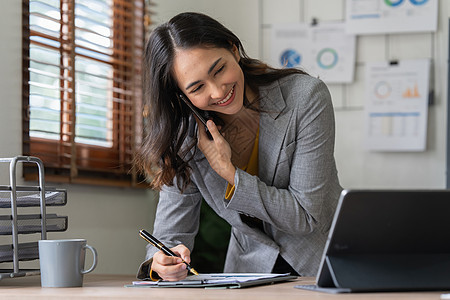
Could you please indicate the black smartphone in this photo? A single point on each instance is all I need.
(202, 115)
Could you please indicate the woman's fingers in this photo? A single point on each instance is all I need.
(183, 252)
(213, 130)
(171, 268)
(217, 152)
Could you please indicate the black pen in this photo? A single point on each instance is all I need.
(152, 240)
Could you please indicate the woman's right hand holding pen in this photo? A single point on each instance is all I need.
(172, 268)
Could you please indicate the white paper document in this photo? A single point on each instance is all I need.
(218, 280)
(391, 16)
(396, 106)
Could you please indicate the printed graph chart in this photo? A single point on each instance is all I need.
(397, 105)
(389, 16)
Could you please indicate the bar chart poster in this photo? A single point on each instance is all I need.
(396, 109)
(324, 50)
(391, 16)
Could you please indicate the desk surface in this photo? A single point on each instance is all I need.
(112, 286)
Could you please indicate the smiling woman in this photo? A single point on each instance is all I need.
(269, 169)
(82, 89)
(211, 78)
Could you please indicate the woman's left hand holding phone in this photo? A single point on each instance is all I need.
(217, 151)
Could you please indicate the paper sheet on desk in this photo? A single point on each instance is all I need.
(218, 280)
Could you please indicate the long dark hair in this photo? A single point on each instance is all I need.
(167, 123)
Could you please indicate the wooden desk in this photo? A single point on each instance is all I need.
(112, 287)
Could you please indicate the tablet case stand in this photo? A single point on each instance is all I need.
(387, 272)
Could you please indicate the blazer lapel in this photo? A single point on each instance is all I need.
(272, 130)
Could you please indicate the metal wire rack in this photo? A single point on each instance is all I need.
(14, 223)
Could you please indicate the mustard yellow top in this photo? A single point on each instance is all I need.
(251, 168)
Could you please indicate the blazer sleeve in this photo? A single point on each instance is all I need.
(176, 221)
(308, 200)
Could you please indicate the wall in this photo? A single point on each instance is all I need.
(109, 218)
(358, 168)
(242, 17)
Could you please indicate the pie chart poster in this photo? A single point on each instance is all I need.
(323, 50)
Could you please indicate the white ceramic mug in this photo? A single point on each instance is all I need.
(62, 262)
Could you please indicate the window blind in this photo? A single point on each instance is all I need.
(82, 93)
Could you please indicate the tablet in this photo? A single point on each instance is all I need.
(387, 240)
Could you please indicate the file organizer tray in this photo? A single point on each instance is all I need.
(27, 251)
(53, 197)
(32, 224)
(15, 223)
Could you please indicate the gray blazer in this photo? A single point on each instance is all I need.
(295, 194)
